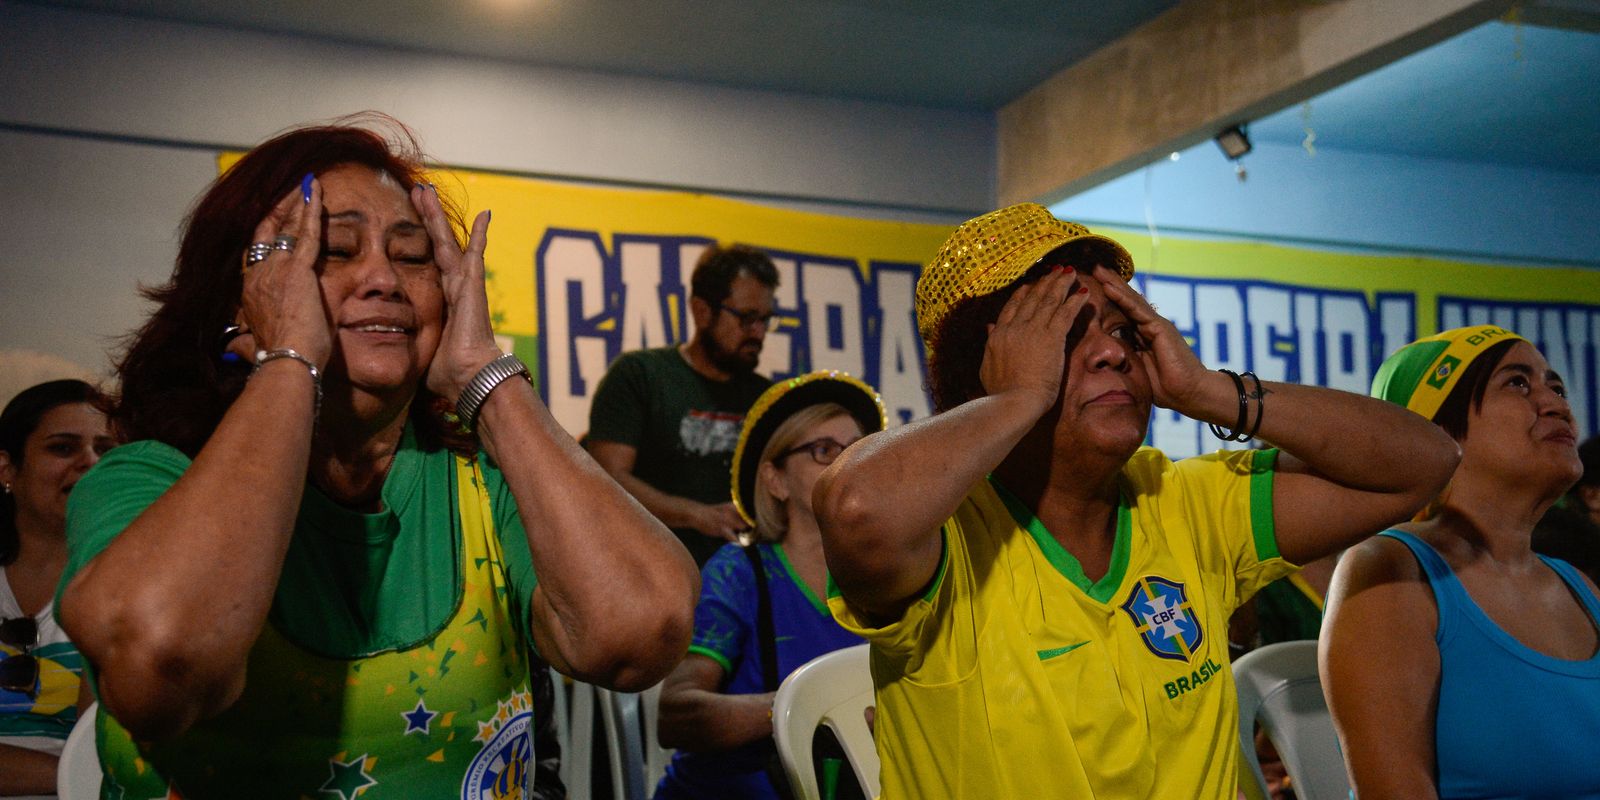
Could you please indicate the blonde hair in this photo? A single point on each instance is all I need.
(772, 518)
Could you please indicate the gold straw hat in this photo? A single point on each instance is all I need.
(779, 402)
(987, 253)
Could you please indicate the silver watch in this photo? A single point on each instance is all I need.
(478, 389)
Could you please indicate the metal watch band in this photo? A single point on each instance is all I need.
(478, 389)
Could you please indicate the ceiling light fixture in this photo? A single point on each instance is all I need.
(1234, 143)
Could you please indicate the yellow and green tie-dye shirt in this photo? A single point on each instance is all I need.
(394, 662)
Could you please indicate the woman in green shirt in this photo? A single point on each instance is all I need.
(304, 576)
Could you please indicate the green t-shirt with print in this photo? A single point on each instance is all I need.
(394, 661)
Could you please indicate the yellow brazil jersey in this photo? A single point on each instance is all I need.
(1017, 677)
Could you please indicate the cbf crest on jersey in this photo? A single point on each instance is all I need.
(1163, 617)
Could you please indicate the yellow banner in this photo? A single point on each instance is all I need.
(579, 274)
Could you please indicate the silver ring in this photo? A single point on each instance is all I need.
(256, 253)
(284, 241)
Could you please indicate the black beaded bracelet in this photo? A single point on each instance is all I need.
(1260, 397)
(1237, 433)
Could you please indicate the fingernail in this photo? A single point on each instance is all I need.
(488, 215)
(1069, 270)
(305, 186)
(231, 357)
(1083, 290)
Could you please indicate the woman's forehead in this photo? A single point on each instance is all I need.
(1523, 355)
(353, 192)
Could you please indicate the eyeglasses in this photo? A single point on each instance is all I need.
(20, 673)
(823, 451)
(749, 319)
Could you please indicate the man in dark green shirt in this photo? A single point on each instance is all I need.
(664, 421)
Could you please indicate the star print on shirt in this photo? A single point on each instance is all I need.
(347, 779)
(418, 719)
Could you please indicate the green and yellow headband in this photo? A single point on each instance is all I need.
(1421, 375)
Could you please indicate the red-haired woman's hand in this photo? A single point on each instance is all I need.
(467, 343)
(1026, 352)
(1174, 370)
(281, 304)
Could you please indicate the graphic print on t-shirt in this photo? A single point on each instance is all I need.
(1162, 615)
(705, 432)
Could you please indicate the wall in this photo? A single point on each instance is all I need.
(108, 125)
(1356, 200)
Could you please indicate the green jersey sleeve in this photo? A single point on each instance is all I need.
(128, 480)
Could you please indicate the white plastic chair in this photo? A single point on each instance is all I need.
(655, 756)
(624, 743)
(833, 690)
(637, 760)
(78, 772)
(578, 755)
(1278, 685)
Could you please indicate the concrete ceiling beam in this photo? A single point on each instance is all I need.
(1198, 69)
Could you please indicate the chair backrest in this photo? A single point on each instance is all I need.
(563, 719)
(78, 772)
(624, 725)
(1278, 685)
(655, 756)
(834, 690)
(578, 756)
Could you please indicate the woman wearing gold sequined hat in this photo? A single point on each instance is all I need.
(761, 614)
(1047, 601)
(1457, 663)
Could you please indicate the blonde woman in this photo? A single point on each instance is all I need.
(716, 707)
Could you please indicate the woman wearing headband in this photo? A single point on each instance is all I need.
(317, 570)
(50, 435)
(753, 628)
(1047, 601)
(1457, 663)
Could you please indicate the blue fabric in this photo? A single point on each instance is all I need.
(1512, 722)
(725, 630)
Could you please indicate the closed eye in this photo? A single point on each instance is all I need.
(417, 260)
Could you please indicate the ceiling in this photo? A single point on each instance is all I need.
(940, 53)
(1516, 95)
(1524, 94)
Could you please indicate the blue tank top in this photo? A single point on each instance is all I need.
(1512, 722)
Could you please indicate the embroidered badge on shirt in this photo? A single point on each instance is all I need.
(1162, 615)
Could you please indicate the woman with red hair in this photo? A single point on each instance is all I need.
(319, 565)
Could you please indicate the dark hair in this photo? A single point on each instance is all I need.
(174, 385)
(19, 420)
(961, 338)
(713, 276)
(1589, 453)
(1467, 396)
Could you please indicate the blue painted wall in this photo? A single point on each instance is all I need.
(1366, 201)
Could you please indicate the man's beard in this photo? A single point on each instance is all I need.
(733, 361)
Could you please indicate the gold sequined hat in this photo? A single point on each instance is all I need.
(779, 402)
(987, 253)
